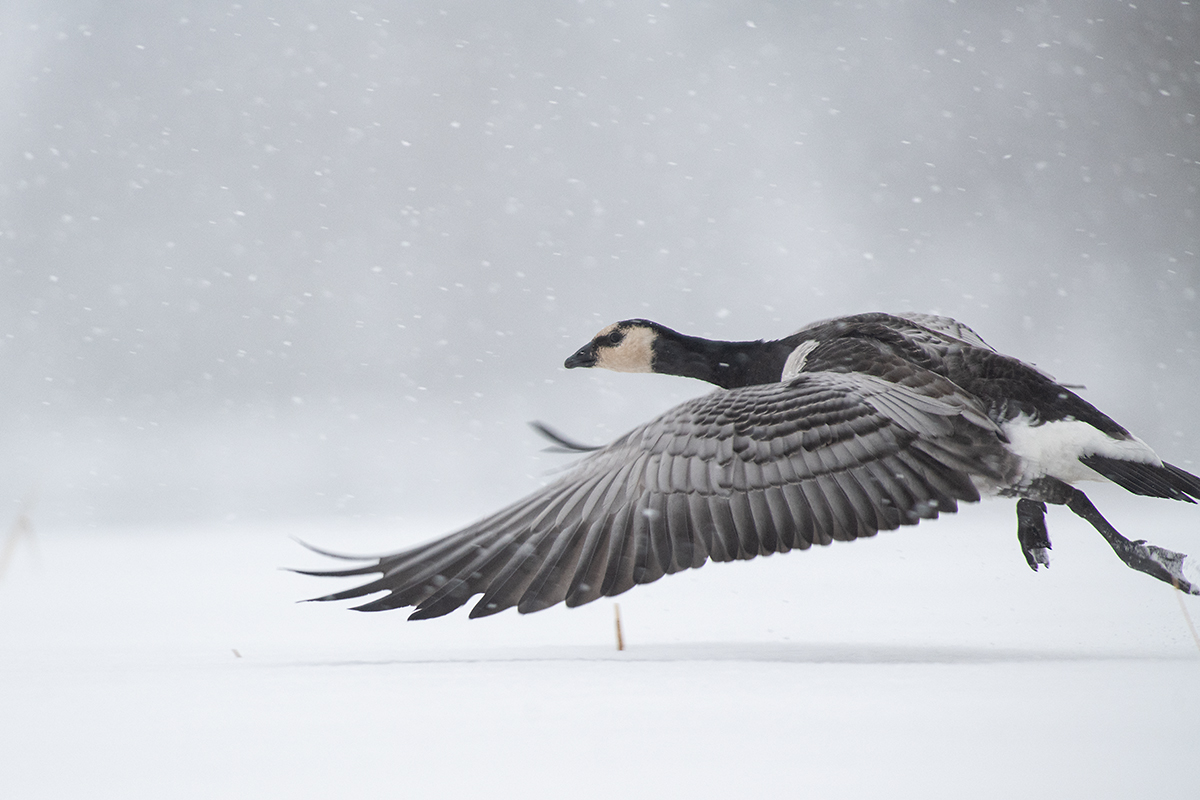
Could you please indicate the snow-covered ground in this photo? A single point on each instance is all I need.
(929, 662)
(325, 259)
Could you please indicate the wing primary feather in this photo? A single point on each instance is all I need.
(744, 523)
(414, 581)
(588, 581)
(922, 499)
(781, 518)
(822, 517)
(864, 509)
(618, 574)
(688, 549)
(872, 476)
(438, 592)
(801, 516)
(845, 525)
(764, 522)
(443, 579)
(510, 583)
(946, 480)
(724, 528)
(658, 535)
(646, 566)
(703, 528)
(549, 586)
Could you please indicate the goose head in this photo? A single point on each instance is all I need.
(625, 346)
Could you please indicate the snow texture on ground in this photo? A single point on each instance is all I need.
(929, 662)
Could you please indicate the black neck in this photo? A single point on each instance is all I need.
(726, 364)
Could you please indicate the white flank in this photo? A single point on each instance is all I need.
(795, 362)
(1054, 448)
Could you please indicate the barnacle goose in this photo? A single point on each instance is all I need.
(845, 428)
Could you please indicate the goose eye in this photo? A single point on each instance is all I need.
(613, 339)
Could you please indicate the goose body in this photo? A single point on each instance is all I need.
(842, 429)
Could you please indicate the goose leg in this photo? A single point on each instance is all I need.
(1166, 565)
(1031, 532)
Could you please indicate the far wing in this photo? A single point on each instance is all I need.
(947, 326)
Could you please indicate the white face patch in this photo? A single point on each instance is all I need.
(634, 353)
(795, 361)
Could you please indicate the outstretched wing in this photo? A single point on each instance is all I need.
(731, 475)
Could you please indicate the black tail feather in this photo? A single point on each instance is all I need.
(1151, 480)
(1186, 481)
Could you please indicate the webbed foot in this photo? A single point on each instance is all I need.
(1032, 533)
(1178, 569)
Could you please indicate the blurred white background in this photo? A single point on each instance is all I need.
(288, 259)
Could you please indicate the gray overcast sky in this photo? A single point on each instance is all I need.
(289, 258)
